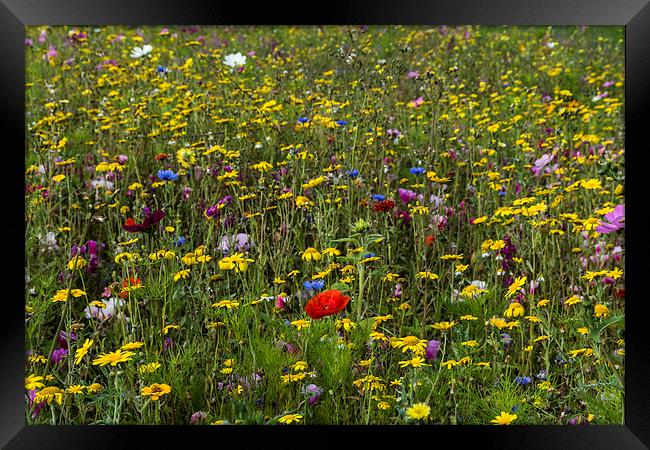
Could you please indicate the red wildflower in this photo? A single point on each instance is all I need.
(326, 304)
(383, 206)
(161, 156)
(429, 240)
(128, 285)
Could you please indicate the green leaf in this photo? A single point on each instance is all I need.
(344, 240)
(596, 333)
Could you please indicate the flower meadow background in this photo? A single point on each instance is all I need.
(324, 225)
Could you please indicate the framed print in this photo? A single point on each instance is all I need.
(403, 219)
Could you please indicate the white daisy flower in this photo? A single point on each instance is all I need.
(234, 60)
(139, 52)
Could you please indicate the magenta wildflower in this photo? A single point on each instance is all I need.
(616, 221)
(50, 54)
(59, 355)
(314, 391)
(431, 352)
(35, 407)
(406, 195)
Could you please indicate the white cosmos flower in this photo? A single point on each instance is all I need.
(139, 52)
(234, 60)
(104, 313)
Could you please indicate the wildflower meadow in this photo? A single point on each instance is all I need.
(324, 225)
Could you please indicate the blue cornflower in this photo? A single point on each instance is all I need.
(523, 380)
(162, 69)
(369, 255)
(180, 241)
(341, 123)
(502, 192)
(352, 173)
(303, 119)
(314, 285)
(417, 170)
(167, 175)
(378, 197)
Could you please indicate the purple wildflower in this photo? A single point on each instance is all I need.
(212, 211)
(50, 54)
(59, 355)
(168, 344)
(35, 407)
(63, 338)
(431, 352)
(197, 417)
(315, 390)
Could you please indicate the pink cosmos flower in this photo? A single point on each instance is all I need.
(541, 163)
(616, 221)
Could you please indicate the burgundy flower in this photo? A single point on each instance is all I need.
(383, 206)
(150, 221)
(404, 215)
(63, 338)
(93, 258)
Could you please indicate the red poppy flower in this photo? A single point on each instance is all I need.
(326, 304)
(429, 240)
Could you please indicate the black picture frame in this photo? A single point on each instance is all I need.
(633, 14)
